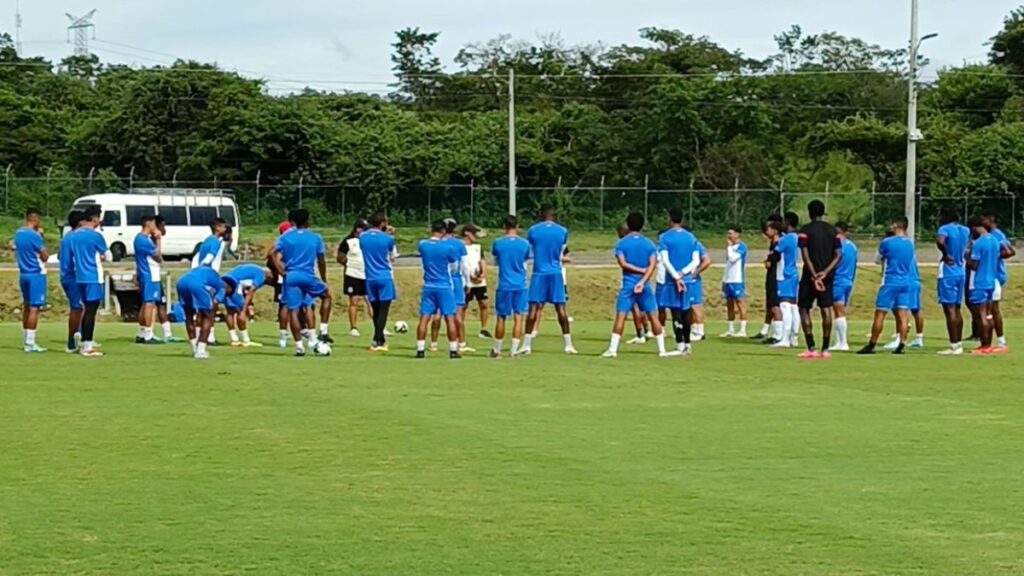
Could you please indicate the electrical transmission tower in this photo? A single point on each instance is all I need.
(81, 26)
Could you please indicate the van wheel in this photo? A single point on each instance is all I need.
(118, 251)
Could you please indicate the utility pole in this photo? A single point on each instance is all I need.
(81, 27)
(17, 27)
(512, 141)
(913, 134)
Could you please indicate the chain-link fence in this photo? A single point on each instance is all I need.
(596, 208)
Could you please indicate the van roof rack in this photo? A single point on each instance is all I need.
(222, 192)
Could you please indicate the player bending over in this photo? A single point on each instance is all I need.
(548, 240)
(438, 297)
(242, 283)
(199, 290)
(896, 255)
(510, 254)
(30, 251)
(842, 289)
(638, 258)
(297, 257)
(734, 283)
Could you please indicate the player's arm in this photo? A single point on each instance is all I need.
(652, 265)
(1006, 250)
(693, 266)
(837, 257)
(705, 263)
(671, 270)
(321, 264)
(973, 260)
(249, 294)
(276, 262)
(940, 243)
(626, 266)
(342, 257)
(483, 269)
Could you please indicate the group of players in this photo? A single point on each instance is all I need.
(661, 283)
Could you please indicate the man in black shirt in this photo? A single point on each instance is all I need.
(821, 250)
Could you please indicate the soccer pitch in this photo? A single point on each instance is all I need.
(739, 460)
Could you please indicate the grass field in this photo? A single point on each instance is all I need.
(739, 460)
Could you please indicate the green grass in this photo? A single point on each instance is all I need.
(739, 460)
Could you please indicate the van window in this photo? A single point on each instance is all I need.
(202, 215)
(228, 214)
(174, 215)
(111, 219)
(135, 214)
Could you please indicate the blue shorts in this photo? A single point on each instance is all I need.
(91, 292)
(982, 295)
(300, 287)
(434, 300)
(381, 290)
(547, 289)
(194, 297)
(627, 298)
(33, 289)
(950, 291)
(236, 302)
(459, 293)
(695, 292)
(672, 299)
(734, 291)
(659, 290)
(789, 288)
(893, 297)
(74, 294)
(511, 302)
(842, 293)
(914, 297)
(152, 293)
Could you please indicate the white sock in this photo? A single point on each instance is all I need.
(515, 346)
(421, 345)
(194, 342)
(732, 327)
(841, 328)
(453, 346)
(698, 330)
(1001, 341)
(919, 339)
(142, 332)
(778, 328)
(201, 347)
(567, 340)
(956, 345)
(213, 335)
(167, 330)
(765, 328)
(614, 344)
(283, 334)
(660, 339)
(794, 322)
(681, 346)
(233, 334)
(147, 334)
(786, 322)
(527, 342)
(299, 346)
(743, 326)
(497, 346)
(323, 329)
(30, 337)
(245, 336)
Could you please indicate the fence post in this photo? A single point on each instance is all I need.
(647, 190)
(7, 188)
(131, 179)
(301, 180)
(828, 190)
(1013, 214)
(472, 199)
(689, 208)
(430, 205)
(259, 175)
(46, 192)
(600, 217)
(343, 218)
(174, 179)
(874, 191)
(967, 207)
(735, 201)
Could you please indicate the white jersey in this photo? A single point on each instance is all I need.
(735, 264)
(474, 254)
(354, 267)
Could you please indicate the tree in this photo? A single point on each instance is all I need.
(415, 65)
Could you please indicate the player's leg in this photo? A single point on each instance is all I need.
(902, 328)
(190, 327)
(145, 318)
(205, 318)
(985, 319)
(35, 301)
(617, 327)
(231, 319)
(92, 295)
(499, 336)
(485, 312)
(741, 311)
(826, 327)
(877, 325)
(353, 315)
(638, 326)
(502, 310)
(435, 331)
(326, 305)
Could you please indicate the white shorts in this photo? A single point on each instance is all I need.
(997, 293)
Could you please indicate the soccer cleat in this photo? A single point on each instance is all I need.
(840, 348)
(380, 348)
(72, 350)
(300, 352)
(609, 354)
(892, 345)
(900, 350)
(917, 345)
(571, 351)
(34, 349)
(154, 342)
(466, 350)
(204, 355)
(252, 345)
(484, 335)
(951, 352)
(781, 345)
(140, 340)
(758, 336)
(739, 335)
(282, 344)
(808, 355)
(454, 356)
(982, 351)
(637, 340)
(826, 355)
(696, 338)
(867, 350)
(354, 333)
(494, 355)
(771, 341)
(524, 352)
(670, 354)
(326, 338)
(728, 335)
(175, 340)
(1000, 350)
(420, 354)
(649, 335)
(236, 344)
(92, 353)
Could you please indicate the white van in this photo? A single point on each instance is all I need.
(187, 213)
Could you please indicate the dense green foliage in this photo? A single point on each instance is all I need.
(673, 111)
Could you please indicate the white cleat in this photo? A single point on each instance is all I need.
(843, 348)
(524, 352)
(354, 333)
(892, 345)
(610, 354)
(951, 352)
(204, 355)
(781, 345)
(670, 354)
(433, 347)
(740, 335)
(466, 350)
(636, 340)
(282, 344)
(571, 351)
(728, 335)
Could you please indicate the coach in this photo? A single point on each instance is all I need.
(821, 250)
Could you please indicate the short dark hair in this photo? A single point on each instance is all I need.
(675, 215)
(948, 215)
(450, 225)
(547, 212)
(622, 230)
(158, 219)
(217, 222)
(900, 222)
(842, 227)
(511, 222)
(92, 213)
(635, 221)
(300, 217)
(992, 217)
(773, 225)
(146, 219)
(976, 221)
(792, 219)
(438, 226)
(75, 218)
(816, 209)
(33, 212)
(736, 229)
(378, 220)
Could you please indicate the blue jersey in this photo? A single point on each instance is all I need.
(27, 245)
(900, 262)
(637, 251)
(210, 254)
(957, 237)
(147, 269)
(458, 247)
(206, 277)
(788, 249)
(679, 246)
(1002, 274)
(300, 249)
(88, 248)
(67, 259)
(437, 255)
(986, 253)
(248, 276)
(547, 241)
(511, 254)
(377, 247)
(846, 270)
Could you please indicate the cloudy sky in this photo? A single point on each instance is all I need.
(346, 43)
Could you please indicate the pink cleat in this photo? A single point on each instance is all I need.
(826, 355)
(809, 355)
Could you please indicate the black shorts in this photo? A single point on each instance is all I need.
(809, 295)
(354, 286)
(479, 294)
(771, 291)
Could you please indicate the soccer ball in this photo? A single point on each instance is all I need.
(321, 348)
(401, 327)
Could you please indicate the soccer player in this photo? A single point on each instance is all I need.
(638, 258)
(476, 288)
(734, 282)
(68, 283)
(89, 250)
(914, 303)
(378, 247)
(771, 229)
(696, 291)
(511, 300)
(30, 251)
(242, 283)
(351, 257)
(438, 297)
(161, 305)
(199, 291)
(822, 250)
(548, 240)
(987, 251)
(676, 252)
(896, 255)
(1002, 277)
(460, 279)
(211, 251)
(298, 256)
(952, 241)
(842, 288)
(639, 320)
(786, 256)
(148, 257)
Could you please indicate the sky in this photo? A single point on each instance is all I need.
(346, 45)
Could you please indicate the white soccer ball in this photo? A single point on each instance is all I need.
(322, 349)
(401, 327)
